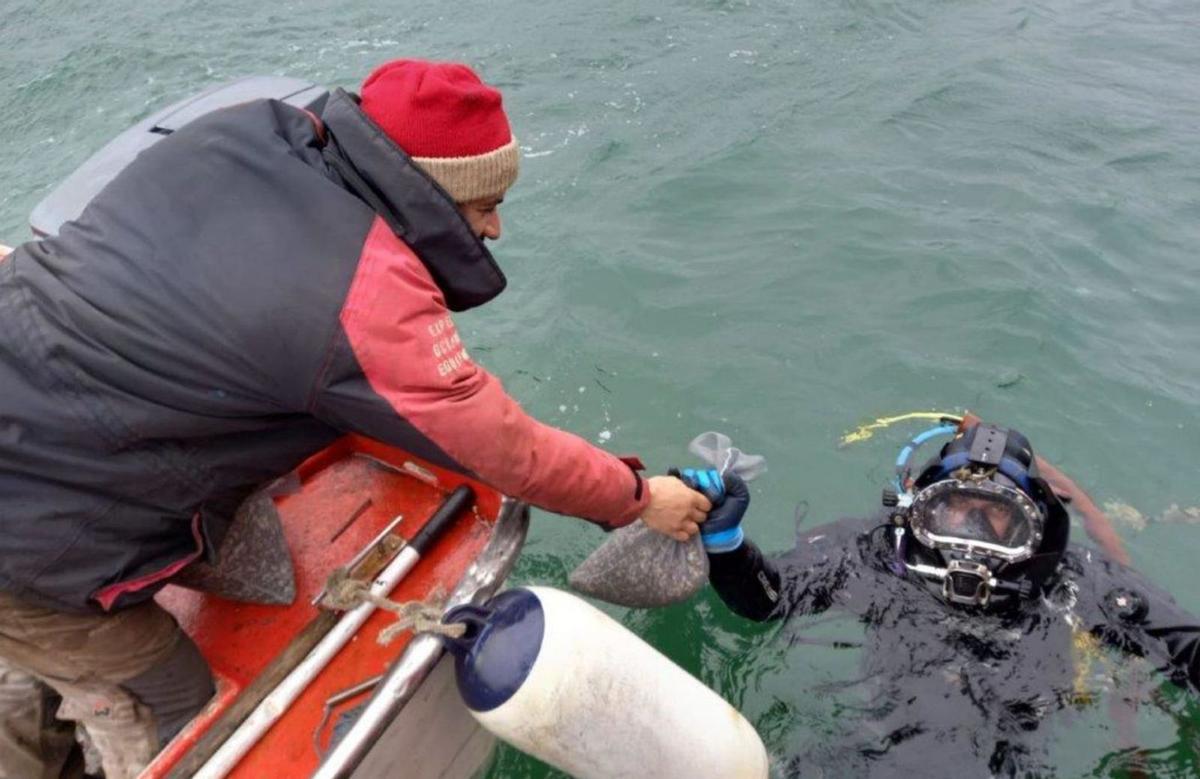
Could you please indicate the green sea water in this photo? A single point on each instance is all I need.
(778, 219)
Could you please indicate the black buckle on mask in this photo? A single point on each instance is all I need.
(968, 583)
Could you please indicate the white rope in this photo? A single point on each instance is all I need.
(344, 592)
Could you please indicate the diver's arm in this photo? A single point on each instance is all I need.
(747, 582)
(807, 580)
(751, 585)
(1095, 521)
(1142, 619)
(1177, 634)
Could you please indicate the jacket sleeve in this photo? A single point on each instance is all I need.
(404, 377)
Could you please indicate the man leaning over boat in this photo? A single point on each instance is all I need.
(250, 288)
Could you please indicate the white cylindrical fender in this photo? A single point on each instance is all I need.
(561, 680)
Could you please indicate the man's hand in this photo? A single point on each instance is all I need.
(675, 509)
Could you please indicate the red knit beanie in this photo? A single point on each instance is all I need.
(450, 122)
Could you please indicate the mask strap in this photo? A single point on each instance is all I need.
(1007, 466)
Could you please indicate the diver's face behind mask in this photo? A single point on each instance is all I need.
(977, 518)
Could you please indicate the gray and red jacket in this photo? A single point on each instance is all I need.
(247, 290)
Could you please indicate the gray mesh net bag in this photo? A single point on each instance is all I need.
(641, 568)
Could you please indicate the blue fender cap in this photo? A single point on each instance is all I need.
(503, 641)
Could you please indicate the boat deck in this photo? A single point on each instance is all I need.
(347, 495)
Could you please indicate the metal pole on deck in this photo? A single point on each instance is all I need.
(481, 581)
(276, 703)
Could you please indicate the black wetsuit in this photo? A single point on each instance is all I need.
(954, 691)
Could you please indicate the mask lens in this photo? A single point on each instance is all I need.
(977, 516)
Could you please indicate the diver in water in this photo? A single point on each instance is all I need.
(975, 606)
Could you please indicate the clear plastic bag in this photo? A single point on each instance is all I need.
(718, 451)
(641, 568)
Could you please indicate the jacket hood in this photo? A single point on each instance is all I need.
(418, 210)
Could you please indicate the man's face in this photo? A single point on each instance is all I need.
(483, 216)
(962, 511)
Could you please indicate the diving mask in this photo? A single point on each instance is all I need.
(973, 517)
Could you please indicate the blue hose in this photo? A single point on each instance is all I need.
(912, 446)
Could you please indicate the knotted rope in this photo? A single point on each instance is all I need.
(344, 593)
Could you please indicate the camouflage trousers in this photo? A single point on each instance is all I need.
(132, 679)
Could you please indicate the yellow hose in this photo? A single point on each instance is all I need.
(868, 430)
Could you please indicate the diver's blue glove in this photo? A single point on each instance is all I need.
(730, 497)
